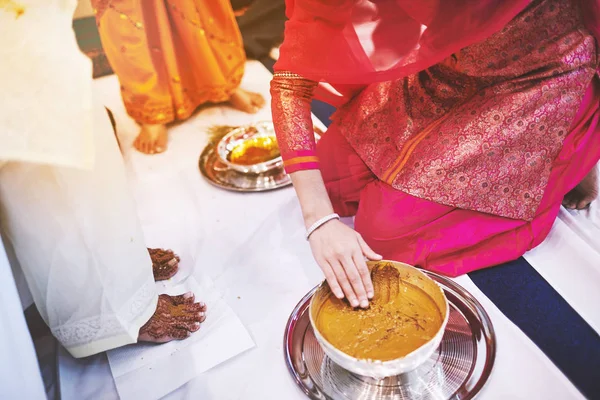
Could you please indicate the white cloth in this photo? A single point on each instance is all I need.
(72, 223)
(78, 240)
(46, 85)
(20, 376)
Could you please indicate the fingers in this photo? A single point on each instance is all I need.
(342, 279)
(365, 276)
(331, 279)
(356, 281)
(367, 251)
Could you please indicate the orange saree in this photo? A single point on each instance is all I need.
(171, 55)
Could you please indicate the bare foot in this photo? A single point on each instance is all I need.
(246, 101)
(175, 318)
(583, 194)
(152, 139)
(165, 264)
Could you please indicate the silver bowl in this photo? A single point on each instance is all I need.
(238, 137)
(382, 369)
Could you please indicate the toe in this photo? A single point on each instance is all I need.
(583, 204)
(137, 144)
(195, 308)
(151, 147)
(179, 333)
(189, 326)
(144, 146)
(201, 316)
(257, 99)
(161, 144)
(194, 327)
(188, 298)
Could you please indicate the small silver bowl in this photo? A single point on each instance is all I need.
(241, 136)
(383, 369)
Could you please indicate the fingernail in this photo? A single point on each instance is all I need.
(202, 304)
(364, 304)
(370, 295)
(339, 295)
(188, 295)
(354, 303)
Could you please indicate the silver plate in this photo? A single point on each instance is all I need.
(220, 175)
(457, 370)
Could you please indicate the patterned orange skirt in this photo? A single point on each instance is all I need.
(171, 55)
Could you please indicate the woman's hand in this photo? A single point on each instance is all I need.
(340, 252)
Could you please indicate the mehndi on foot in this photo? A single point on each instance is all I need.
(165, 264)
(175, 318)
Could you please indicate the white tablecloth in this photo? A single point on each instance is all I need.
(252, 247)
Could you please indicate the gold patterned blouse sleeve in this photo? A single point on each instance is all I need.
(291, 98)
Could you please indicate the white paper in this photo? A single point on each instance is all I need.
(148, 371)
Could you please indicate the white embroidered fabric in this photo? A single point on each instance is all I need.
(78, 240)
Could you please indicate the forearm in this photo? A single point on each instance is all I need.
(312, 195)
(291, 98)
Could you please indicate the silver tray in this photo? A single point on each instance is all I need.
(220, 175)
(458, 369)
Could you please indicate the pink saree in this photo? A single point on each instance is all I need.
(455, 146)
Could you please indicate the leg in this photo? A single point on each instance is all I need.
(127, 33)
(454, 241)
(77, 237)
(440, 238)
(208, 55)
(344, 173)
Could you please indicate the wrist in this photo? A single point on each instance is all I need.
(313, 215)
(312, 195)
(319, 223)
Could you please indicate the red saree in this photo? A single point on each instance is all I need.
(453, 147)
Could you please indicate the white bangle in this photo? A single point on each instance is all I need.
(320, 223)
